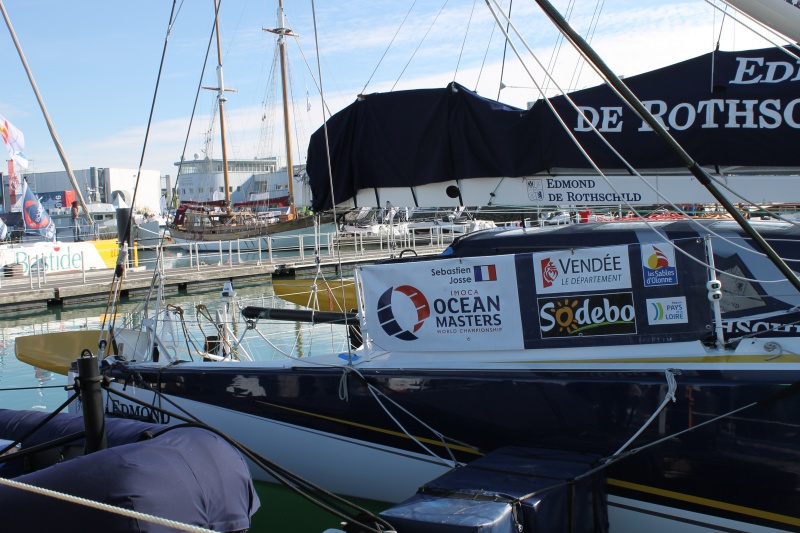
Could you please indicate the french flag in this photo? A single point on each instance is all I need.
(485, 273)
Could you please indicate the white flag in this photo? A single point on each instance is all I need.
(308, 100)
(14, 141)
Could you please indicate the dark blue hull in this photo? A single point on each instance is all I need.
(744, 466)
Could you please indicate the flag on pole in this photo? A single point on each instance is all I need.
(3, 229)
(14, 189)
(308, 100)
(14, 141)
(34, 215)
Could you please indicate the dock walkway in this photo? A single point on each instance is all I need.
(40, 289)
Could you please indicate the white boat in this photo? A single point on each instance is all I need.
(663, 354)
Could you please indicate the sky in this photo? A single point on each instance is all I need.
(96, 64)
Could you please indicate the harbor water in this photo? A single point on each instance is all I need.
(25, 387)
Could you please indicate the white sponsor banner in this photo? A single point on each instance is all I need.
(582, 270)
(444, 305)
(667, 311)
(52, 257)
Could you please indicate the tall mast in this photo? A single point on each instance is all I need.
(221, 100)
(282, 32)
(46, 116)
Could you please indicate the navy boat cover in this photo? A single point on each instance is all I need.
(186, 474)
(724, 108)
(489, 495)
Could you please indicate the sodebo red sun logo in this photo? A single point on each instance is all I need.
(387, 315)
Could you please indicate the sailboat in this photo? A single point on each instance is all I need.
(249, 222)
(612, 376)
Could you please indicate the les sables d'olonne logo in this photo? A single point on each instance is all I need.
(598, 314)
(658, 264)
(386, 312)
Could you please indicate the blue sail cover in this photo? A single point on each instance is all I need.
(725, 108)
(186, 474)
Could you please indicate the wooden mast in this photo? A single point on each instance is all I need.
(221, 99)
(282, 32)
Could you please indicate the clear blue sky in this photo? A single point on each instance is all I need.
(96, 64)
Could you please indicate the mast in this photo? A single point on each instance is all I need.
(282, 32)
(50, 126)
(221, 100)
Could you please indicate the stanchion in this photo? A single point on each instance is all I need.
(92, 402)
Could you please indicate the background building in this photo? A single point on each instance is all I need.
(97, 185)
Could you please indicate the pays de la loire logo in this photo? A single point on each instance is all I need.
(549, 272)
(411, 298)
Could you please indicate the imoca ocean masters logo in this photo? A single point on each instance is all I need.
(386, 312)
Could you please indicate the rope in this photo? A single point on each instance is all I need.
(668, 396)
(608, 461)
(102, 506)
(34, 388)
(285, 477)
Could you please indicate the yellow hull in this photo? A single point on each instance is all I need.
(55, 351)
(109, 251)
(336, 295)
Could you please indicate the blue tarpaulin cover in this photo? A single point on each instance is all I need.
(187, 474)
(484, 496)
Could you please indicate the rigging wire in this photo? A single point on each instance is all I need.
(485, 55)
(119, 272)
(761, 26)
(606, 142)
(363, 91)
(505, 50)
(556, 52)
(195, 104)
(576, 75)
(419, 45)
(464, 42)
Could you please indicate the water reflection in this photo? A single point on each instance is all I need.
(44, 389)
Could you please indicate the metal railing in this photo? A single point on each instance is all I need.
(269, 250)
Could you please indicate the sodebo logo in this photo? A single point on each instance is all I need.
(386, 311)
